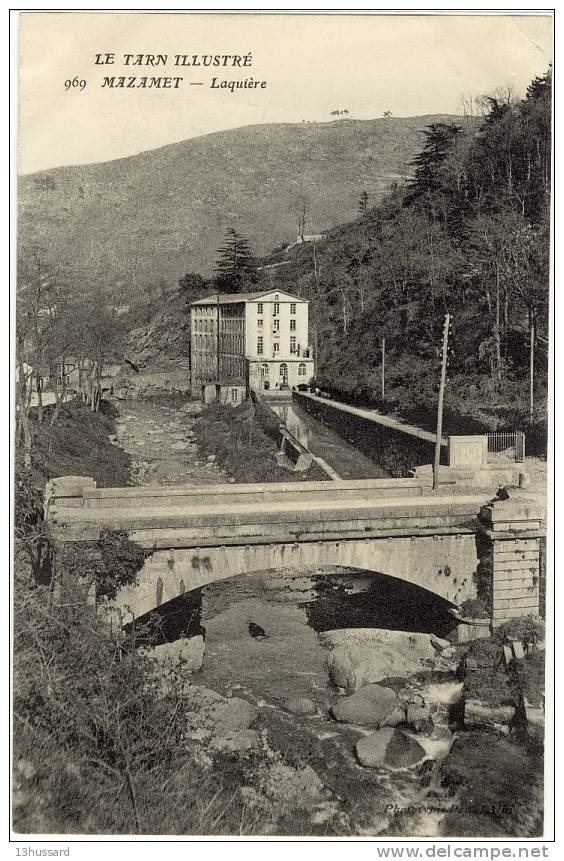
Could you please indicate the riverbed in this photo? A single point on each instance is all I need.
(299, 612)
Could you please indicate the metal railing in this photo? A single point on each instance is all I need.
(507, 446)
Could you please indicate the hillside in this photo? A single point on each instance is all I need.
(466, 236)
(164, 212)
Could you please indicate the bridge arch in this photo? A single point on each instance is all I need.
(332, 599)
(443, 566)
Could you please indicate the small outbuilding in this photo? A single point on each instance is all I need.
(231, 393)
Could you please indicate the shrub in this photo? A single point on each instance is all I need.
(473, 608)
(99, 747)
(527, 677)
(497, 785)
(111, 562)
(519, 628)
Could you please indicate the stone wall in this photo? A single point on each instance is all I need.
(396, 451)
(129, 385)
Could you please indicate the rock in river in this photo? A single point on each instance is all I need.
(284, 783)
(362, 656)
(213, 716)
(419, 718)
(300, 706)
(183, 654)
(231, 715)
(240, 741)
(388, 748)
(371, 706)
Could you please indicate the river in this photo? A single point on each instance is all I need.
(299, 612)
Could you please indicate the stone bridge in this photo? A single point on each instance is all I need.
(456, 546)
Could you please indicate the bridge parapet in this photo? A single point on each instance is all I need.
(81, 492)
(310, 511)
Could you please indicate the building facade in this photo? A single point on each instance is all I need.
(261, 339)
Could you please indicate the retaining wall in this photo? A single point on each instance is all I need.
(395, 447)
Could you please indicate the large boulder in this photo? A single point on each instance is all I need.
(372, 706)
(363, 656)
(231, 715)
(213, 716)
(184, 654)
(389, 748)
(396, 717)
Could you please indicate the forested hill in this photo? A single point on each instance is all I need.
(164, 212)
(469, 235)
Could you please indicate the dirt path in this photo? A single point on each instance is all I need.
(162, 446)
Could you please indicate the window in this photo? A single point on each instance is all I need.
(292, 307)
(259, 324)
(276, 347)
(259, 345)
(276, 310)
(292, 344)
(259, 307)
(276, 326)
(292, 325)
(301, 369)
(234, 395)
(276, 297)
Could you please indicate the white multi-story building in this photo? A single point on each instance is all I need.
(259, 338)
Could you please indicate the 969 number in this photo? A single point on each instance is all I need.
(75, 84)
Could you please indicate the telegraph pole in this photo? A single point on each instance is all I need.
(383, 367)
(440, 404)
(532, 368)
(217, 337)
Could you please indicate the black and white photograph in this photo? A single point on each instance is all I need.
(281, 345)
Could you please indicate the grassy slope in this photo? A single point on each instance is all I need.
(244, 450)
(164, 212)
(78, 444)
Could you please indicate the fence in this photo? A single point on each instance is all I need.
(506, 446)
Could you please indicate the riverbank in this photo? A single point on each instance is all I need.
(233, 436)
(263, 734)
(79, 443)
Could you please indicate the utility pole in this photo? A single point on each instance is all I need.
(251, 421)
(217, 337)
(532, 367)
(383, 368)
(440, 404)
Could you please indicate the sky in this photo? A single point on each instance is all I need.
(312, 64)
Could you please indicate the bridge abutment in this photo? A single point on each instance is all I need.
(510, 558)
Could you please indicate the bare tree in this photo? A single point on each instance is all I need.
(40, 336)
(300, 209)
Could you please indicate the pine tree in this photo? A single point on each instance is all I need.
(363, 203)
(236, 267)
(439, 140)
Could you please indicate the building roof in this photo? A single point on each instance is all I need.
(240, 298)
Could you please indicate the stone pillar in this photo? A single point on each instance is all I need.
(510, 558)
